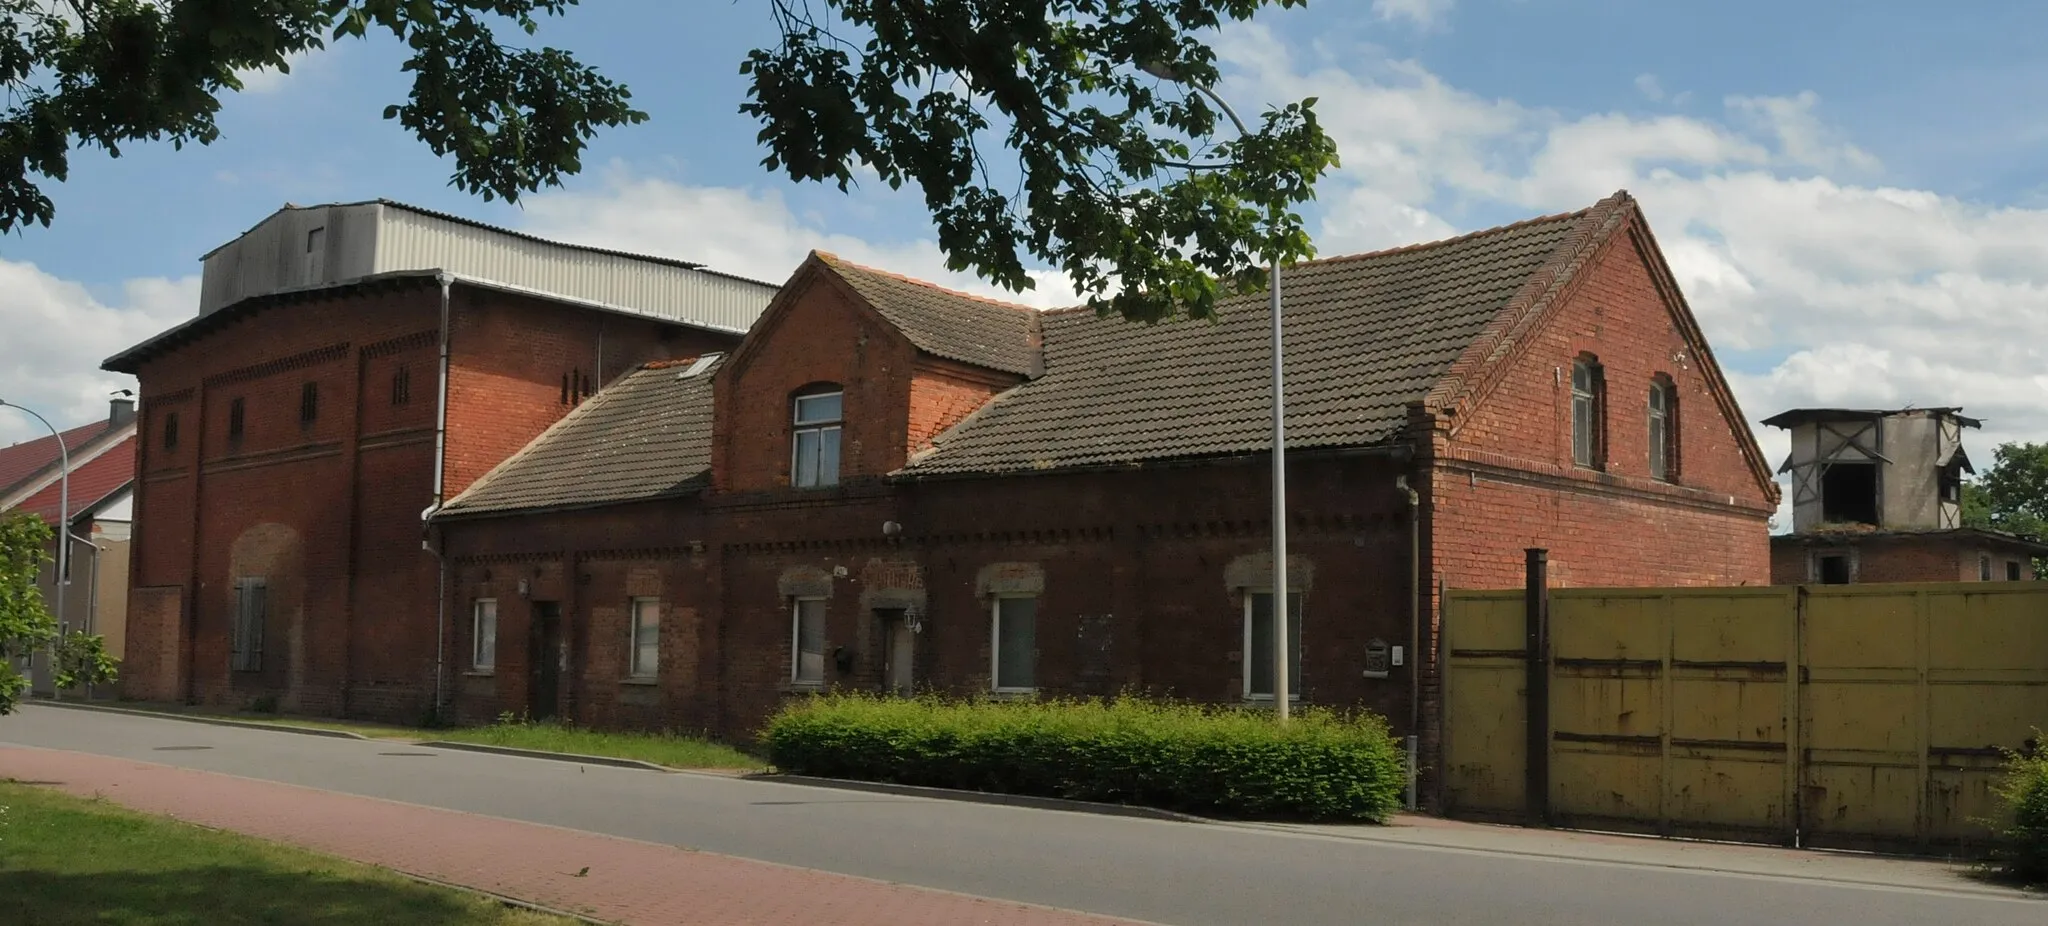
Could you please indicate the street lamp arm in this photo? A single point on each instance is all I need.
(63, 507)
(1234, 120)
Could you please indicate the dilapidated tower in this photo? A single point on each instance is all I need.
(1877, 496)
(1893, 470)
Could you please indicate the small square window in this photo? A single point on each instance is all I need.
(1832, 569)
(646, 639)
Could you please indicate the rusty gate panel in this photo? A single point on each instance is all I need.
(1870, 716)
(1914, 691)
(1670, 711)
(1485, 720)
(1607, 706)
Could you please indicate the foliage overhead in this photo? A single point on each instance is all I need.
(26, 626)
(2012, 495)
(107, 73)
(1119, 179)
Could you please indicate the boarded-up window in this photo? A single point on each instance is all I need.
(252, 607)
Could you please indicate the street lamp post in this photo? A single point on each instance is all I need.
(63, 508)
(1280, 616)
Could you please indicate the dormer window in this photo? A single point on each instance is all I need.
(815, 440)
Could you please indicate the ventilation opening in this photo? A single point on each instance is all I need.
(1834, 570)
(1848, 493)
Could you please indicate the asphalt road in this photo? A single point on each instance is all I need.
(1185, 874)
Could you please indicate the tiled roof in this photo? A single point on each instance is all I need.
(645, 436)
(91, 483)
(1365, 337)
(944, 323)
(20, 461)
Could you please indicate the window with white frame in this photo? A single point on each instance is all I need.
(1258, 645)
(807, 642)
(815, 441)
(1013, 643)
(252, 606)
(646, 640)
(483, 634)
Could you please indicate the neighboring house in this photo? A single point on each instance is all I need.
(102, 456)
(1877, 496)
(890, 486)
(350, 367)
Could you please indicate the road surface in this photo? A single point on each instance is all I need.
(1184, 874)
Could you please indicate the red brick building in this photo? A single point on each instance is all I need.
(887, 485)
(352, 367)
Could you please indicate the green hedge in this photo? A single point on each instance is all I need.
(2025, 792)
(1212, 761)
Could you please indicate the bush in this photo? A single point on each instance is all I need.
(2025, 794)
(1233, 762)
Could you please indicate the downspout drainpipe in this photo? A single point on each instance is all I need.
(1414, 633)
(440, 481)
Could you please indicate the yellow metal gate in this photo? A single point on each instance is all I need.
(1857, 716)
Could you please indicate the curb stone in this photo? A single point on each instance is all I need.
(544, 754)
(200, 718)
(982, 797)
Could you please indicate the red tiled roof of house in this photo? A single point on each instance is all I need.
(91, 482)
(29, 457)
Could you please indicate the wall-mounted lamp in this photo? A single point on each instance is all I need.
(891, 528)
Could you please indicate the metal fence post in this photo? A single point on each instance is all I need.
(1536, 602)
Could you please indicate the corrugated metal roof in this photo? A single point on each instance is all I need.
(645, 436)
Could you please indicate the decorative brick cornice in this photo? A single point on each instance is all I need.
(315, 357)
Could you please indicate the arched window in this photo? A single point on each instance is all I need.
(817, 415)
(1589, 401)
(1663, 429)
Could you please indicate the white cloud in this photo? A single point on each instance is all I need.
(271, 80)
(1650, 87)
(749, 232)
(57, 335)
(1424, 13)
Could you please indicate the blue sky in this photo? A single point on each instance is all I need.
(1855, 202)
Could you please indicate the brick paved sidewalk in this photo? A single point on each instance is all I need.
(628, 881)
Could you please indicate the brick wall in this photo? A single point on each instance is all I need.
(327, 510)
(943, 393)
(818, 335)
(1143, 577)
(1505, 479)
(1896, 559)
